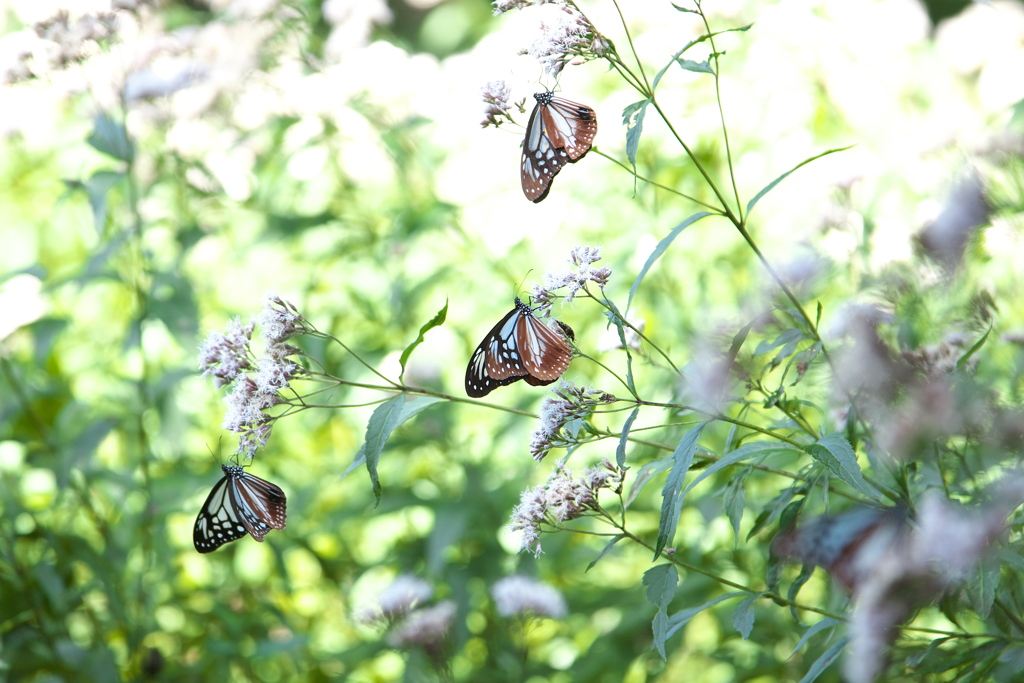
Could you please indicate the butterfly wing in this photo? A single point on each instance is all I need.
(545, 353)
(496, 361)
(541, 160)
(217, 522)
(569, 125)
(260, 505)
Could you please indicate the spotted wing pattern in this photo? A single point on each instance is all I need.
(559, 132)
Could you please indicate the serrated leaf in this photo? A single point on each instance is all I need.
(824, 661)
(734, 497)
(620, 452)
(787, 337)
(633, 119)
(659, 250)
(822, 624)
(645, 474)
(110, 137)
(672, 493)
(835, 452)
(746, 451)
(604, 552)
(683, 617)
(661, 584)
(743, 617)
(771, 185)
(697, 67)
(385, 419)
(436, 321)
(982, 589)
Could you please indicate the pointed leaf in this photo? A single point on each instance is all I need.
(436, 321)
(604, 552)
(659, 250)
(836, 453)
(734, 497)
(620, 452)
(827, 622)
(698, 67)
(386, 417)
(743, 617)
(661, 587)
(633, 119)
(681, 618)
(745, 452)
(771, 185)
(111, 138)
(824, 661)
(671, 493)
(645, 474)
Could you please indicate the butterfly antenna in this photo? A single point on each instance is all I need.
(519, 287)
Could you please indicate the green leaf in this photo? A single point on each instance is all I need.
(661, 587)
(772, 510)
(604, 552)
(436, 321)
(97, 187)
(771, 185)
(835, 452)
(974, 349)
(746, 451)
(697, 67)
(385, 419)
(743, 617)
(659, 250)
(645, 474)
(671, 494)
(822, 624)
(824, 661)
(786, 337)
(681, 618)
(620, 452)
(734, 497)
(806, 572)
(110, 137)
(633, 119)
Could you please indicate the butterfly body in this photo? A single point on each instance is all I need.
(239, 504)
(519, 347)
(559, 132)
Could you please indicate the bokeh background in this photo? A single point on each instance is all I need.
(159, 174)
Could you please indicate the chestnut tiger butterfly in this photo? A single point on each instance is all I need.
(239, 504)
(559, 132)
(847, 544)
(519, 347)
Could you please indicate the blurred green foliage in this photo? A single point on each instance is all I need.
(133, 228)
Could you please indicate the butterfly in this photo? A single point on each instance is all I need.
(239, 504)
(519, 347)
(847, 545)
(560, 132)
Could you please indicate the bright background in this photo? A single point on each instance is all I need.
(333, 154)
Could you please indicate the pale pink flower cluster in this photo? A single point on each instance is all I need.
(502, 6)
(397, 600)
(560, 499)
(256, 383)
(59, 41)
(495, 95)
(565, 35)
(225, 355)
(574, 279)
(515, 595)
(572, 403)
(426, 628)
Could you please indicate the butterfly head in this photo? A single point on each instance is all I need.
(544, 97)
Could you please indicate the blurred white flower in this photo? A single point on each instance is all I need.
(521, 595)
(398, 599)
(426, 628)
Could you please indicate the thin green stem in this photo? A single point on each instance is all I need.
(632, 48)
(709, 207)
(721, 112)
